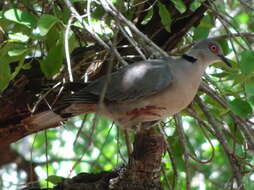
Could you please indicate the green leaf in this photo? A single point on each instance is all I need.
(19, 37)
(21, 17)
(247, 61)
(240, 107)
(55, 179)
(179, 5)
(53, 62)
(234, 130)
(201, 33)
(148, 17)
(207, 22)
(165, 16)
(194, 5)
(46, 22)
(5, 74)
(249, 88)
(98, 13)
(17, 49)
(224, 46)
(203, 29)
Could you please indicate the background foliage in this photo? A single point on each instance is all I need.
(35, 30)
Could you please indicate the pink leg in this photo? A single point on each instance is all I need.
(148, 110)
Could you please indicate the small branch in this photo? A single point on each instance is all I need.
(128, 142)
(180, 131)
(109, 7)
(171, 157)
(93, 34)
(245, 4)
(208, 139)
(66, 47)
(193, 19)
(246, 129)
(224, 21)
(233, 35)
(133, 42)
(216, 38)
(236, 167)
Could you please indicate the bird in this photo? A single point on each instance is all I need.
(144, 92)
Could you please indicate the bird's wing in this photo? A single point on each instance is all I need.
(135, 81)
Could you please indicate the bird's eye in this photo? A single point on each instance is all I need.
(213, 48)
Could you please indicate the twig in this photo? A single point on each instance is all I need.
(233, 35)
(220, 136)
(31, 158)
(103, 145)
(223, 21)
(193, 19)
(109, 7)
(46, 155)
(171, 157)
(43, 96)
(200, 121)
(133, 42)
(86, 27)
(93, 34)
(66, 47)
(245, 4)
(88, 144)
(118, 149)
(128, 142)
(179, 129)
(216, 38)
(191, 111)
(166, 179)
(244, 127)
(80, 129)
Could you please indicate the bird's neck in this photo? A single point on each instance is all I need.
(194, 67)
(199, 55)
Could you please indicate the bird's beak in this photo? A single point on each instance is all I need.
(225, 60)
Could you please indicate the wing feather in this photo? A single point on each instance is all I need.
(133, 82)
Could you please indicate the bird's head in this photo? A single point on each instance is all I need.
(209, 52)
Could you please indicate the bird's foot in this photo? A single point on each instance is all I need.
(148, 110)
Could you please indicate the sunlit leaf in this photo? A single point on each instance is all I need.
(19, 37)
(148, 16)
(22, 17)
(46, 22)
(17, 50)
(180, 6)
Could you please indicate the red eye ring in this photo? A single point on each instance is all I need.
(213, 48)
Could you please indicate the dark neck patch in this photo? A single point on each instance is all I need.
(189, 58)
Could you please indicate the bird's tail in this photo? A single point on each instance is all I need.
(50, 119)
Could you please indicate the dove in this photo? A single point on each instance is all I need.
(141, 93)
